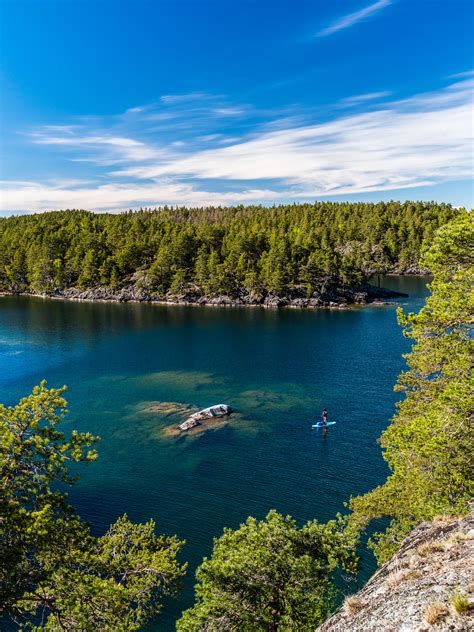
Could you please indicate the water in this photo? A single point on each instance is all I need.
(277, 368)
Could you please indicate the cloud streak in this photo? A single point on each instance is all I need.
(33, 196)
(107, 149)
(363, 98)
(185, 98)
(421, 140)
(354, 18)
(397, 145)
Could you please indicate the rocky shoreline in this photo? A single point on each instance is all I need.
(414, 591)
(339, 297)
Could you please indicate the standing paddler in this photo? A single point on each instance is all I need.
(324, 417)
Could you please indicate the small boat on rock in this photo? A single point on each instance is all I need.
(219, 410)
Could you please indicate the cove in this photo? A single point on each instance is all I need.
(133, 370)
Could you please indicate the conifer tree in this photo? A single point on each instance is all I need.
(428, 445)
(270, 575)
(54, 575)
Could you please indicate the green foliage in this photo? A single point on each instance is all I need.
(267, 575)
(54, 574)
(428, 445)
(296, 250)
(270, 575)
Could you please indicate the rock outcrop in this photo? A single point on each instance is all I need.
(428, 585)
(335, 297)
(213, 412)
(188, 424)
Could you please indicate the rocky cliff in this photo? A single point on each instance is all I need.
(428, 585)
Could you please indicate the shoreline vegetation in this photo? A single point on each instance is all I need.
(298, 255)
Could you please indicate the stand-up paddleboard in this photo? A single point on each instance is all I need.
(320, 424)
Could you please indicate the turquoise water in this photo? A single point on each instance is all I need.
(135, 370)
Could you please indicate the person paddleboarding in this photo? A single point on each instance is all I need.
(324, 423)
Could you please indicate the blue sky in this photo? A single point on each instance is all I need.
(114, 105)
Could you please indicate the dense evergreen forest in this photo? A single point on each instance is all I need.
(294, 250)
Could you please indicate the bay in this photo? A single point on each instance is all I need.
(135, 370)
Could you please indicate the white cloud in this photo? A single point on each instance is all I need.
(109, 149)
(209, 137)
(162, 116)
(407, 143)
(183, 98)
(353, 18)
(422, 140)
(33, 196)
(228, 111)
(363, 98)
(45, 139)
(462, 75)
(61, 129)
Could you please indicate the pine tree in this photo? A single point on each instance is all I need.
(428, 445)
(54, 574)
(270, 575)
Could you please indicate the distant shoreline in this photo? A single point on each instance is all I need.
(339, 298)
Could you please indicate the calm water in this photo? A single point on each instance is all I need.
(276, 368)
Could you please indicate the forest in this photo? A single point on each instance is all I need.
(288, 250)
(269, 574)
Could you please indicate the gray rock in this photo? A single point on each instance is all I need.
(188, 424)
(432, 577)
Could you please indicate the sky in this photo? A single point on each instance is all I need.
(126, 104)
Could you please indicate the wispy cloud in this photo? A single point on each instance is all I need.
(462, 75)
(421, 140)
(229, 111)
(363, 98)
(33, 196)
(106, 149)
(401, 144)
(185, 98)
(353, 18)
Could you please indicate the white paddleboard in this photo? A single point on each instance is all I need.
(321, 425)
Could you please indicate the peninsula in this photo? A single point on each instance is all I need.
(301, 255)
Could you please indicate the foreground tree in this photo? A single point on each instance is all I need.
(428, 446)
(54, 575)
(270, 575)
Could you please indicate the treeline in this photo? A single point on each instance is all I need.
(290, 250)
(269, 574)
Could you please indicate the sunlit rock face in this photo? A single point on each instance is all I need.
(427, 585)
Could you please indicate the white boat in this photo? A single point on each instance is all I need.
(219, 410)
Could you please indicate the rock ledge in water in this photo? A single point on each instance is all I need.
(213, 412)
